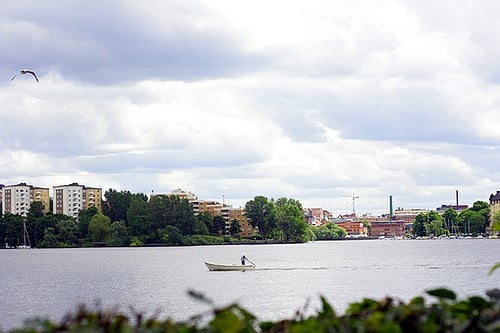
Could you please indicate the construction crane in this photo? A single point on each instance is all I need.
(354, 197)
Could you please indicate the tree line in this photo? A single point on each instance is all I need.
(471, 221)
(133, 219)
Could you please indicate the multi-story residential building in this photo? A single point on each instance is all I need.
(494, 207)
(215, 208)
(17, 199)
(239, 215)
(317, 216)
(70, 199)
(184, 194)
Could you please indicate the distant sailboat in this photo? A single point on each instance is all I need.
(25, 238)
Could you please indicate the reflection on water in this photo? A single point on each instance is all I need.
(288, 278)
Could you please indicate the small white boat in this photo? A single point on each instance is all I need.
(229, 267)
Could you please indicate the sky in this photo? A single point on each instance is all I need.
(317, 101)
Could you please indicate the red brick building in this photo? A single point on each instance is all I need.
(388, 229)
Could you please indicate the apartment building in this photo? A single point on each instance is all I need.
(215, 208)
(239, 215)
(17, 199)
(317, 216)
(70, 199)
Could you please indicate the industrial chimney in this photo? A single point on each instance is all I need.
(391, 211)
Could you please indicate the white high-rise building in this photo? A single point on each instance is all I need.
(17, 199)
(70, 199)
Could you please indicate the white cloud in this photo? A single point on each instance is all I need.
(313, 101)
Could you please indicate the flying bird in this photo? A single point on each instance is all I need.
(26, 71)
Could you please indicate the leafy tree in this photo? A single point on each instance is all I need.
(234, 228)
(450, 218)
(14, 229)
(84, 217)
(117, 204)
(434, 224)
(199, 227)
(2, 229)
(42, 224)
(219, 225)
(496, 222)
(99, 228)
(163, 210)
(138, 224)
(208, 220)
(49, 238)
(329, 231)
(36, 209)
(67, 232)
(419, 229)
(472, 222)
(171, 235)
(118, 234)
(260, 212)
(289, 217)
(483, 208)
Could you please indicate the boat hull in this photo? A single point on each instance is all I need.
(231, 267)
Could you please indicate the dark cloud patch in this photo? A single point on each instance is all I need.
(107, 42)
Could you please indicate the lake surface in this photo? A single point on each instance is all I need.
(51, 282)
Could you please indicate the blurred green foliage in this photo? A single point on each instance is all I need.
(445, 313)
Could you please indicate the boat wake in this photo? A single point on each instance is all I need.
(291, 269)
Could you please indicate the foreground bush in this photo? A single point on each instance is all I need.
(445, 314)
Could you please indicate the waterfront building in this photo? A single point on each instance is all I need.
(408, 215)
(388, 229)
(215, 208)
(354, 229)
(17, 199)
(317, 216)
(239, 215)
(70, 199)
(458, 208)
(184, 194)
(494, 207)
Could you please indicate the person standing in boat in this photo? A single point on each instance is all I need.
(243, 258)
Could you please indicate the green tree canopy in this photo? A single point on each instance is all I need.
(118, 234)
(260, 212)
(496, 222)
(419, 229)
(138, 224)
(289, 217)
(329, 231)
(234, 228)
(84, 217)
(450, 218)
(219, 225)
(99, 228)
(117, 204)
(163, 210)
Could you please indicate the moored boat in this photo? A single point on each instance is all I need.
(229, 267)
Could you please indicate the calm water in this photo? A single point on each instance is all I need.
(50, 282)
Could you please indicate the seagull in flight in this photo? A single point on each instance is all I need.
(26, 71)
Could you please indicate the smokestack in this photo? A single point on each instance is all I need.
(456, 194)
(390, 206)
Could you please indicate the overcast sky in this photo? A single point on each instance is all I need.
(311, 100)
